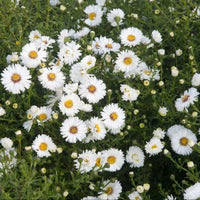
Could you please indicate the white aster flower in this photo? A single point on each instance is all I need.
(127, 62)
(159, 133)
(92, 89)
(180, 137)
(100, 2)
(12, 58)
(88, 61)
(192, 192)
(94, 14)
(113, 117)
(85, 161)
(90, 198)
(85, 107)
(135, 157)
(65, 36)
(34, 35)
(44, 42)
(189, 97)
(70, 88)
(134, 196)
(129, 94)
(115, 17)
(170, 197)
(162, 111)
(43, 145)
(69, 53)
(2, 111)
(54, 2)
(131, 36)
(196, 80)
(115, 159)
(111, 189)
(44, 114)
(154, 146)
(157, 37)
(79, 34)
(52, 78)
(69, 104)
(15, 78)
(31, 56)
(73, 129)
(6, 142)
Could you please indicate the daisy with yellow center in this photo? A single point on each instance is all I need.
(180, 137)
(113, 117)
(131, 36)
(73, 129)
(43, 145)
(115, 159)
(16, 78)
(69, 104)
(44, 114)
(111, 189)
(94, 14)
(31, 56)
(154, 146)
(52, 78)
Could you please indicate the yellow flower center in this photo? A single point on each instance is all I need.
(33, 54)
(69, 103)
(109, 46)
(147, 72)
(98, 162)
(36, 36)
(42, 116)
(89, 63)
(154, 146)
(92, 89)
(137, 198)
(135, 157)
(51, 76)
(113, 116)
(97, 128)
(97, 45)
(128, 61)
(109, 190)
(43, 146)
(16, 78)
(92, 16)
(111, 159)
(185, 98)
(184, 141)
(73, 130)
(131, 38)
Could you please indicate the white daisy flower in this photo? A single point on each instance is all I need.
(189, 97)
(6, 142)
(69, 53)
(135, 157)
(2, 111)
(145, 40)
(90, 198)
(15, 78)
(146, 73)
(44, 42)
(73, 129)
(52, 99)
(154, 146)
(159, 133)
(70, 88)
(52, 78)
(157, 37)
(34, 35)
(127, 62)
(12, 58)
(115, 159)
(192, 192)
(94, 13)
(129, 94)
(162, 111)
(96, 46)
(97, 129)
(100, 161)
(93, 90)
(43, 145)
(31, 56)
(196, 80)
(65, 37)
(88, 161)
(111, 189)
(107, 45)
(113, 117)
(180, 137)
(100, 2)
(115, 17)
(131, 36)
(69, 104)
(44, 114)
(85, 107)
(88, 61)
(134, 196)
